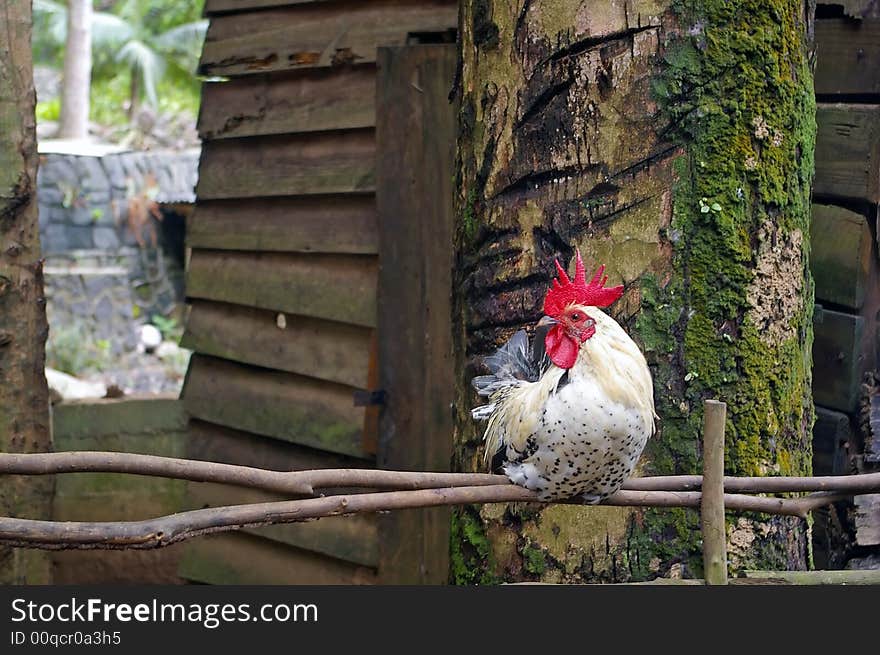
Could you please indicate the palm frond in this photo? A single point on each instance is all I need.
(109, 30)
(54, 15)
(186, 39)
(146, 63)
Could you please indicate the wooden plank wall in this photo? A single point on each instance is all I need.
(282, 278)
(844, 246)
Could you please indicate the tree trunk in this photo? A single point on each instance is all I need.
(24, 403)
(77, 71)
(134, 93)
(671, 140)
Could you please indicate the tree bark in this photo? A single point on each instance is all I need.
(671, 140)
(24, 403)
(77, 79)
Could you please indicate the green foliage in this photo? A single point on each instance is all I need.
(70, 349)
(470, 560)
(49, 110)
(169, 327)
(533, 560)
(142, 51)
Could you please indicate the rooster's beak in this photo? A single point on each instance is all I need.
(547, 320)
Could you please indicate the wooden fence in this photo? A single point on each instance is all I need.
(411, 490)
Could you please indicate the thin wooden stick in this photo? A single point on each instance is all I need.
(712, 503)
(166, 530)
(297, 483)
(853, 484)
(307, 483)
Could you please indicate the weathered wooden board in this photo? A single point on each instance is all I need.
(322, 163)
(241, 558)
(867, 519)
(351, 538)
(219, 6)
(416, 140)
(848, 152)
(837, 359)
(320, 349)
(857, 8)
(83, 421)
(150, 426)
(872, 438)
(117, 567)
(217, 443)
(281, 103)
(840, 255)
(336, 287)
(831, 432)
(317, 35)
(289, 407)
(317, 224)
(153, 426)
(848, 56)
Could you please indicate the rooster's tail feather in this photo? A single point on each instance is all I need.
(513, 363)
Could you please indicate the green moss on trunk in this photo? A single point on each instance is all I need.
(735, 321)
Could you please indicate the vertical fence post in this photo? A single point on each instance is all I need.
(712, 503)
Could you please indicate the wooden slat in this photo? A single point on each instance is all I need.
(246, 559)
(281, 405)
(336, 287)
(840, 256)
(318, 224)
(848, 152)
(317, 35)
(416, 137)
(320, 349)
(328, 162)
(306, 101)
(351, 538)
(867, 519)
(217, 443)
(219, 6)
(101, 419)
(831, 432)
(837, 359)
(856, 8)
(150, 426)
(872, 438)
(117, 567)
(848, 56)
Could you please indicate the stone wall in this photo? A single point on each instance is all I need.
(86, 201)
(106, 294)
(111, 227)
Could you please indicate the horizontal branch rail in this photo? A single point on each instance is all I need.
(166, 530)
(400, 490)
(297, 483)
(307, 483)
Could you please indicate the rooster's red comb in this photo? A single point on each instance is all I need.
(565, 291)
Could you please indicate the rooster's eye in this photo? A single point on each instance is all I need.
(576, 316)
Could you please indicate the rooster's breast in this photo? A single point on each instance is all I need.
(584, 444)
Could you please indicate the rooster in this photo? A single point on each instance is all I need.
(574, 410)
